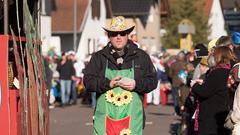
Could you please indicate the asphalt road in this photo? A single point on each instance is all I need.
(77, 120)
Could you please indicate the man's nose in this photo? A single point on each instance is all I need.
(118, 35)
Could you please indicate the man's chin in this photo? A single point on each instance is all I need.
(119, 47)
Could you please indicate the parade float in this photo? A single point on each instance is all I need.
(23, 94)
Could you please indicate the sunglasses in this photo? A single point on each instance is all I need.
(114, 34)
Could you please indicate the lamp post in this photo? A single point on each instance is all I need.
(5, 17)
(75, 25)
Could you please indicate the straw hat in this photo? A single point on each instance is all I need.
(204, 61)
(212, 44)
(119, 24)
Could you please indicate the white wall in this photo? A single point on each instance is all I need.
(55, 42)
(216, 20)
(149, 35)
(46, 31)
(92, 30)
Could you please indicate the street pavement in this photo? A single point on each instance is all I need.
(77, 120)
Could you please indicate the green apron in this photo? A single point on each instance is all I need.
(111, 119)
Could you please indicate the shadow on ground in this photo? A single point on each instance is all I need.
(176, 129)
(159, 114)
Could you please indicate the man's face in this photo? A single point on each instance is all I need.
(203, 68)
(118, 39)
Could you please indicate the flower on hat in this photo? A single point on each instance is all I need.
(119, 24)
(212, 44)
(125, 132)
(110, 96)
(127, 97)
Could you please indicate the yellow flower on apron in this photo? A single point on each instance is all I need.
(125, 132)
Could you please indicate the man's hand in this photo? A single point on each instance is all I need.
(182, 108)
(199, 81)
(114, 81)
(130, 85)
(63, 62)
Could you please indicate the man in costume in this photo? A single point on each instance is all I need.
(120, 74)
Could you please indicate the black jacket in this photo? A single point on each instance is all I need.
(214, 102)
(145, 73)
(66, 71)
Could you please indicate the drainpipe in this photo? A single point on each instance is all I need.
(159, 14)
(5, 17)
(75, 25)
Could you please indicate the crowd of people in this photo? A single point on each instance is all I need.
(122, 76)
(64, 78)
(204, 83)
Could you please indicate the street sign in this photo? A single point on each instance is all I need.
(186, 28)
